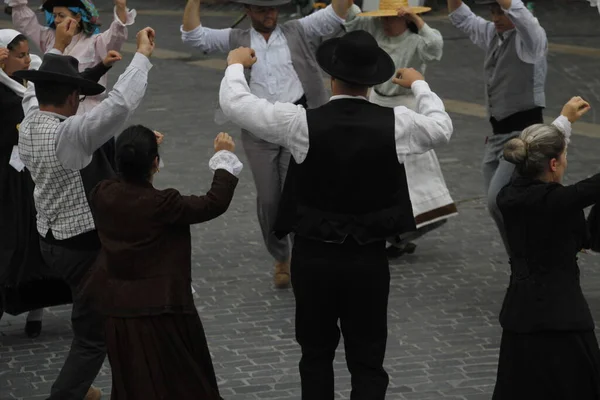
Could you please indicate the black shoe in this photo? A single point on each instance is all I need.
(33, 329)
(398, 251)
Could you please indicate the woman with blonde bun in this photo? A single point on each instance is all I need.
(548, 348)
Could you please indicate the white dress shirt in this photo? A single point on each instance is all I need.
(79, 136)
(273, 76)
(532, 42)
(285, 124)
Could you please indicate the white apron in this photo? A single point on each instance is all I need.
(426, 185)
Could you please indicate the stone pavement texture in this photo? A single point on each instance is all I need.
(444, 299)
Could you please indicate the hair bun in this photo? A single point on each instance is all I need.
(515, 151)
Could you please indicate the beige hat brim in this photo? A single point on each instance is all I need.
(392, 13)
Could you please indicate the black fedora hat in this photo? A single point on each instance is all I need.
(264, 3)
(50, 4)
(356, 58)
(61, 69)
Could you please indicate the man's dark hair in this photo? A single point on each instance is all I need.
(353, 86)
(53, 94)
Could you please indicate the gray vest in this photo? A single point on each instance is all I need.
(512, 85)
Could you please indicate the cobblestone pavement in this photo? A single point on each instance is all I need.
(444, 301)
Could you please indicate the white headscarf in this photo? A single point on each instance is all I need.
(7, 36)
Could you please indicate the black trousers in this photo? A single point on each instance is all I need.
(88, 349)
(349, 283)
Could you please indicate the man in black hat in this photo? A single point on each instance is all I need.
(63, 152)
(515, 67)
(286, 71)
(346, 192)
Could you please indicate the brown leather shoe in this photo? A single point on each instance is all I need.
(93, 394)
(282, 275)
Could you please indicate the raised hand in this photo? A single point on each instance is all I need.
(224, 142)
(3, 55)
(575, 108)
(405, 77)
(242, 55)
(111, 58)
(145, 41)
(159, 137)
(64, 33)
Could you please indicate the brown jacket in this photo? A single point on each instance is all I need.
(144, 266)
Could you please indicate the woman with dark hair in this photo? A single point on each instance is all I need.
(548, 348)
(19, 247)
(88, 46)
(25, 284)
(402, 33)
(154, 337)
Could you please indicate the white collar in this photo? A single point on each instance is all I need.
(345, 96)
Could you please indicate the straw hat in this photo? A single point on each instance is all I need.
(389, 8)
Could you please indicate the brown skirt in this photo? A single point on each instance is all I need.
(160, 357)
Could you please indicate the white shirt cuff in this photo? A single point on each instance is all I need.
(141, 62)
(420, 87)
(226, 160)
(54, 51)
(564, 125)
(131, 14)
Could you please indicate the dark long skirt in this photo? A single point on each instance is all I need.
(160, 357)
(548, 366)
(25, 281)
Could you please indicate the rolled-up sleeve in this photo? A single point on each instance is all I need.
(207, 39)
(418, 132)
(478, 29)
(79, 136)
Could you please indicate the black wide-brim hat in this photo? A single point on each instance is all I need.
(264, 3)
(50, 4)
(61, 69)
(356, 58)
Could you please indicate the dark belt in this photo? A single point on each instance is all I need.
(302, 101)
(517, 121)
(87, 241)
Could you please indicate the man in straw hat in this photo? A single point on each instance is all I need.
(346, 192)
(63, 152)
(286, 71)
(515, 66)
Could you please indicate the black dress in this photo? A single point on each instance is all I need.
(25, 283)
(548, 348)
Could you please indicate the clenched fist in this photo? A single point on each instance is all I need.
(242, 55)
(111, 58)
(224, 142)
(64, 33)
(575, 108)
(3, 54)
(159, 137)
(145, 41)
(405, 77)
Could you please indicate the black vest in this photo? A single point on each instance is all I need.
(351, 183)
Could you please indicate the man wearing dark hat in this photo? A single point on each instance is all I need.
(346, 192)
(287, 72)
(63, 152)
(515, 66)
